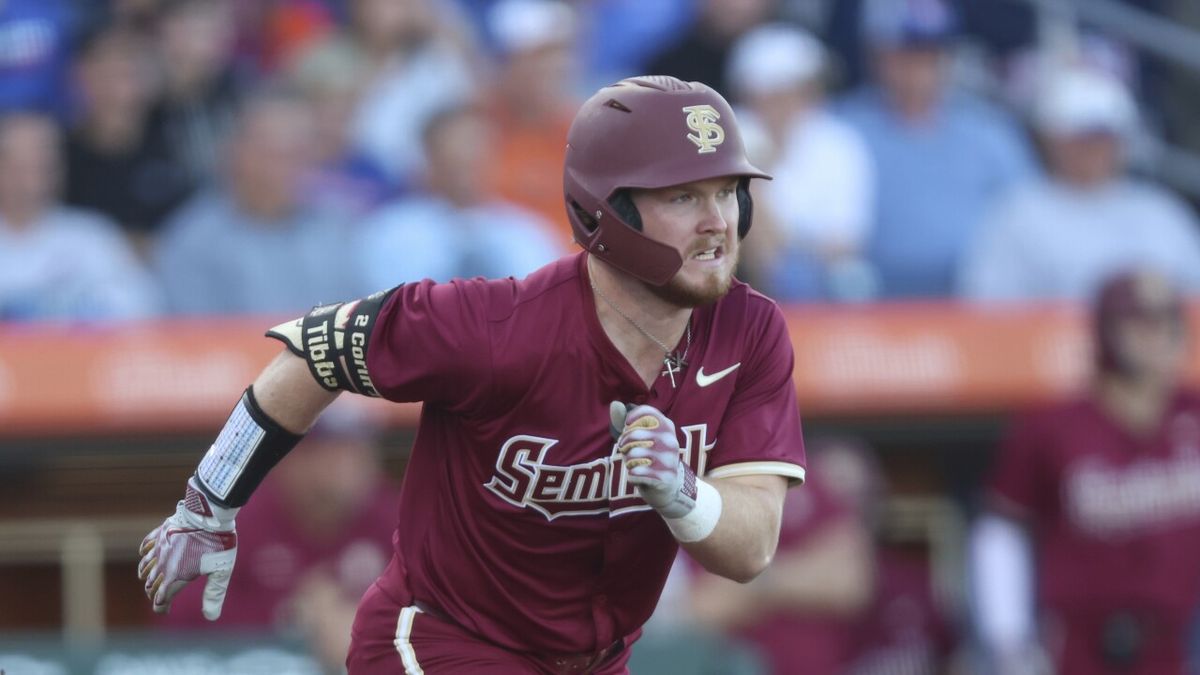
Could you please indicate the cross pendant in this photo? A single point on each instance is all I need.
(673, 365)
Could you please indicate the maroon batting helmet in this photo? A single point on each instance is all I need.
(647, 132)
(1127, 295)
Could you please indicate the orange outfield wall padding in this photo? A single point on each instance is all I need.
(912, 358)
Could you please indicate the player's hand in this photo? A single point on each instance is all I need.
(198, 540)
(652, 461)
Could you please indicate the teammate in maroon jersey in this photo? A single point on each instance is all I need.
(1089, 560)
(578, 425)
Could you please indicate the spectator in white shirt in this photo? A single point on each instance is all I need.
(812, 220)
(57, 262)
(1057, 236)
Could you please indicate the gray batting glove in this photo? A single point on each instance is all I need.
(652, 459)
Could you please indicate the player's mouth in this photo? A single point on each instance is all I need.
(714, 253)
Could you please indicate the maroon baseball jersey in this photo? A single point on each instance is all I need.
(516, 520)
(275, 554)
(1116, 526)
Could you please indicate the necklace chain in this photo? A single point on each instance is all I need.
(671, 359)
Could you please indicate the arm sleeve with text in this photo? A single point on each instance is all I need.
(431, 343)
(760, 433)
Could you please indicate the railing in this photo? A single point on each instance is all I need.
(82, 547)
(1145, 30)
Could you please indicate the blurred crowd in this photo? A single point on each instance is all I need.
(216, 157)
(163, 157)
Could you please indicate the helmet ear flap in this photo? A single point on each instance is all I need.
(585, 219)
(622, 203)
(745, 206)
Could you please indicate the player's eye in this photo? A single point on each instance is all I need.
(726, 193)
(681, 198)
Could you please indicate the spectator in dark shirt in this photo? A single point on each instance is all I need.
(702, 52)
(199, 98)
(113, 165)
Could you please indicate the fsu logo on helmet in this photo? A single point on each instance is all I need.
(702, 119)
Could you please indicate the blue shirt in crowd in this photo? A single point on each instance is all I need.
(70, 265)
(1046, 240)
(35, 51)
(214, 258)
(934, 182)
(426, 237)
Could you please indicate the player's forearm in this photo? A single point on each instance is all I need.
(287, 392)
(269, 420)
(747, 533)
(201, 538)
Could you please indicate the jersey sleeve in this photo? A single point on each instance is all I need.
(1020, 481)
(431, 343)
(760, 433)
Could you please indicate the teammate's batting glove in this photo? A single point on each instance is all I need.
(652, 462)
(198, 540)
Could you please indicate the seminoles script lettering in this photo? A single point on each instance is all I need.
(1113, 501)
(523, 477)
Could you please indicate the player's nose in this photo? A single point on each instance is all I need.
(713, 220)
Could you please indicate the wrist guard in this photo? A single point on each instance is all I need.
(701, 519)
(249, 445)
(333, 340)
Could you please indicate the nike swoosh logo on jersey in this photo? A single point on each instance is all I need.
(705, 380)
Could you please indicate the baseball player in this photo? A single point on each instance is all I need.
(578, 425)
(1088, 560)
